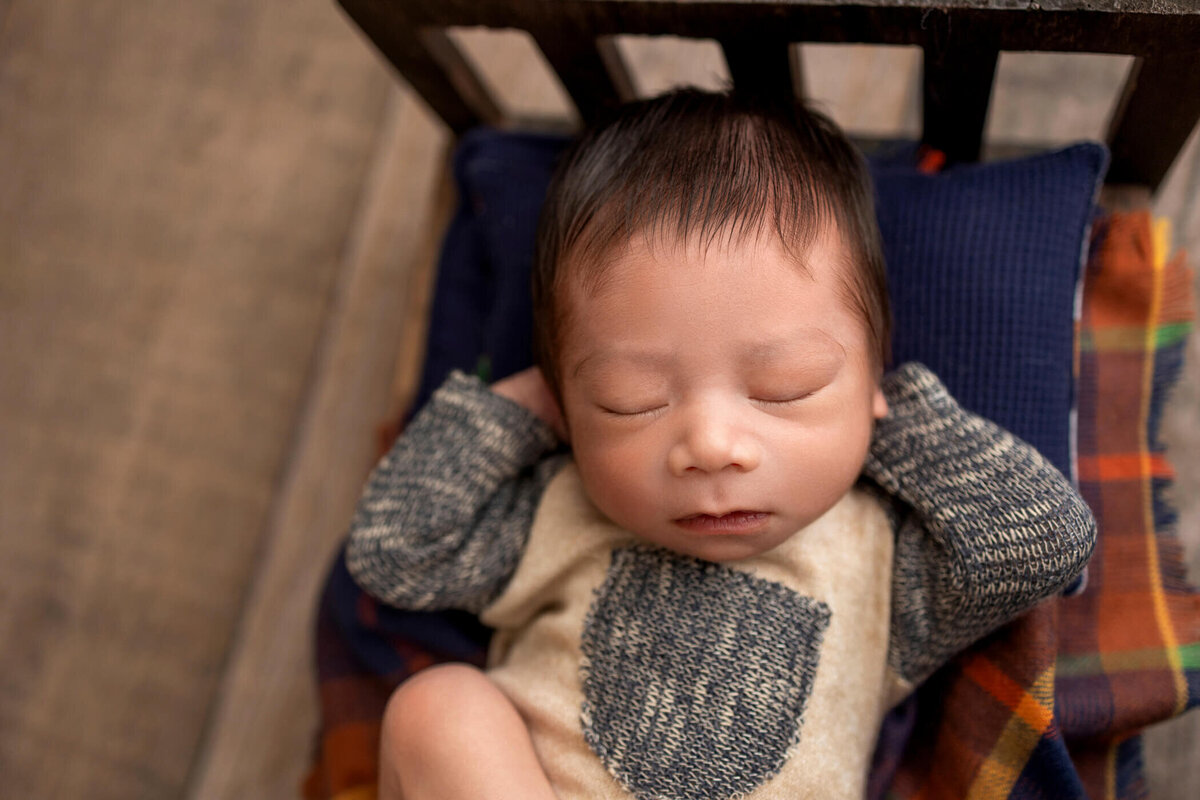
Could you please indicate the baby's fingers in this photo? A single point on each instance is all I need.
(529, 389)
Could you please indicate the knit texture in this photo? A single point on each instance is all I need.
(444, 516)
(642, 673)
(983, 264)
(993, 526)
(696, 674)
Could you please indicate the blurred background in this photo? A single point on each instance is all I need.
(217, 225)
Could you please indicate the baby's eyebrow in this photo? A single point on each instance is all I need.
(806, 343)
(650, 359)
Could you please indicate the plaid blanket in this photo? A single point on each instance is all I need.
(1049, 707)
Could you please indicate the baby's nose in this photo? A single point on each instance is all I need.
(712, 443)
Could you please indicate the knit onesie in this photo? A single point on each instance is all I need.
(644, 673)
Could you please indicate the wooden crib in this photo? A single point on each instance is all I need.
(961, 41)
(1155, 112)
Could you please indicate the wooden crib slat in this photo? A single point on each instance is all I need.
(461, 74)
(1157, 110)
(618, 71)
(591, 69)
(771, 68)
(429, 62)
(957, 87)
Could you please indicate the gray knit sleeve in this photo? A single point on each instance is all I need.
(986, 527)
(445, 515)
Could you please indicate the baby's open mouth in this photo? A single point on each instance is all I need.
(732, 522)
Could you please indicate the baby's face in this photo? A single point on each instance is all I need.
(718, 403)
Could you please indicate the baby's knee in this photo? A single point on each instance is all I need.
(432, 704)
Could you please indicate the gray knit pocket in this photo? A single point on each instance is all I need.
(695, 675)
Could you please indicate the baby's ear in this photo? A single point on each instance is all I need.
(558, 422)
(879, 405)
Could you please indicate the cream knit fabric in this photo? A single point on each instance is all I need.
(843, 560)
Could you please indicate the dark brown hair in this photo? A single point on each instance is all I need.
(694, 166)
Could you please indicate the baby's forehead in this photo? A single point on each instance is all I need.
(590, 271)
(644, 279)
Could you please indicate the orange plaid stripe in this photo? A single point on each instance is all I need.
(1124, 466)
(1032, 716)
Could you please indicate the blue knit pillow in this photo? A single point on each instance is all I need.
(983, 262)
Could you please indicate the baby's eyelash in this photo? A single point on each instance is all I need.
(788, 401)
(645, 412)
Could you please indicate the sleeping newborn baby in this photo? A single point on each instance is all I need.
(754, 542)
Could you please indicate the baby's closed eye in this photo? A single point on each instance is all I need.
(626, 409)
(790, 384)
(786, 389)
(783, 398)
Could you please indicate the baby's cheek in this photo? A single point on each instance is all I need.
(617, 478)
(829, 464)
(844, 462)
(625, 465)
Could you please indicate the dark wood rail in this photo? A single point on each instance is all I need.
(961, 41)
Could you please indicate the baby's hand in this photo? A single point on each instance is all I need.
(528, 389)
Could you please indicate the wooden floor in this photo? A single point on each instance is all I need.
(216, 221)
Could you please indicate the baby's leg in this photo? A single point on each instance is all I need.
(449, 732)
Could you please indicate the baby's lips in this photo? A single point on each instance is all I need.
(733, 522)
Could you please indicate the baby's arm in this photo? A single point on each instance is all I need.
(445, 514)
(986, 527)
